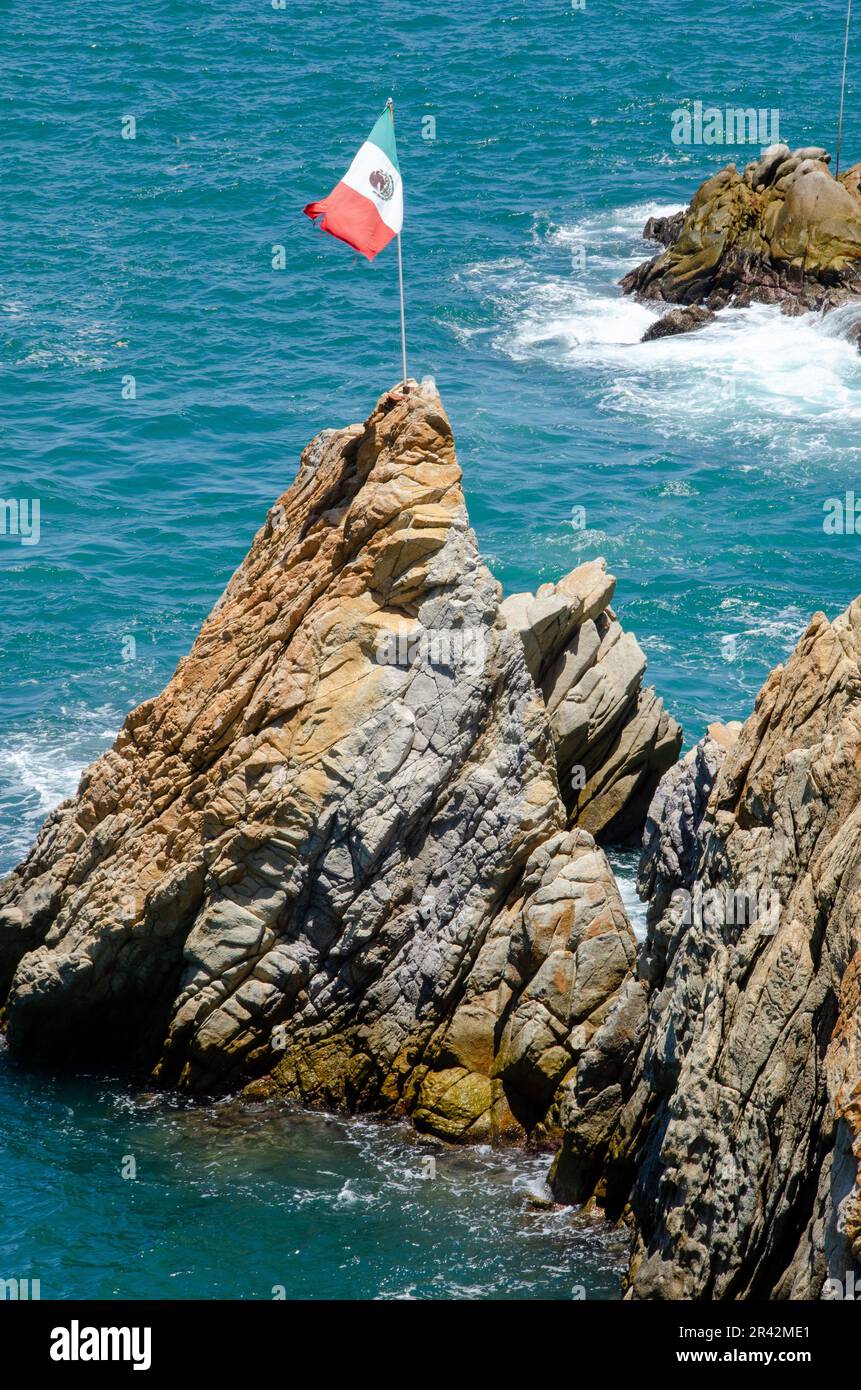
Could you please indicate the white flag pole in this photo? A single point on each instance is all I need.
(842, 88)
(403, 325)
(391, 107)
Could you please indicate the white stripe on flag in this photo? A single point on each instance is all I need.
(371, 160)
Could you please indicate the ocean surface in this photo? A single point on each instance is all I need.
(158, 379)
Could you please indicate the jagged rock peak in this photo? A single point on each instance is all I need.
(330, 860)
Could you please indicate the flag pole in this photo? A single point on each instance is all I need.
(842, 88)
(391, 107)
(403, 324)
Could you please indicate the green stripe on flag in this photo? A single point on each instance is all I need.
(383, 136)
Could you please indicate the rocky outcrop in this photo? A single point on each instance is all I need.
(735, 1107)
(784, 232)
(664, 230)
(331, 859)
(613, 738)
(349, 856)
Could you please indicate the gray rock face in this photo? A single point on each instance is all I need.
(331, 860)
(734, 1110)
(608, 1110)
(674, 834)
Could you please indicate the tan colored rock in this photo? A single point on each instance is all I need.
(725, 735)
(818, 227)
(785, 232)
(851, 180)
(330, 859)
(548, 620)
(613, 739)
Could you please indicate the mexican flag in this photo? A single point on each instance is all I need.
(366, 209)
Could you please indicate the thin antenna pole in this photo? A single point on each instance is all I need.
(391, 107)
(842, 87)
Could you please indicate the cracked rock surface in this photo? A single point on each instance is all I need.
(331, 860)
(726, 1125)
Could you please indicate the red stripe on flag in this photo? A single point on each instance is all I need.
(352, 218)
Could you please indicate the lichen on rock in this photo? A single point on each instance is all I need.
(785, 231)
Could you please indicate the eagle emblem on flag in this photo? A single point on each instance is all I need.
(382, 183)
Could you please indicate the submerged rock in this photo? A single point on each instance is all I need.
(331, 860)
(784, 232)
(678, 321)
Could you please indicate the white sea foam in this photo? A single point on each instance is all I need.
(35, 776)
(755, 358)
(43, 773)
(842, 322)
(627, 222)
(624, 866)
(567, 322)
(40, 769)
(534, 1187)
(765, 377)
(749, 360)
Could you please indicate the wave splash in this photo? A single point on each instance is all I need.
(750, 366)
(42, 767)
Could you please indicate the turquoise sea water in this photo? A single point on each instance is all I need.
(228, 1201)
(702, 463)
